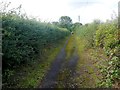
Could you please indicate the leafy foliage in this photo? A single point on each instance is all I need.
(65, 22)
(23, 39)
(107, 38)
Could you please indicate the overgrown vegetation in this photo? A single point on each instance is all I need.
(30, 44)
(103, 37)
(24, 40)
(107, 39)
(87, 74)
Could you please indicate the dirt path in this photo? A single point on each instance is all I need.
(50, 79)
(67, 74)
(69, 70)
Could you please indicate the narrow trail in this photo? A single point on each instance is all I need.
(50, 79)
(69, 70)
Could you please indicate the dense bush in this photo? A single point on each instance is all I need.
(25, 38)
(107, 38)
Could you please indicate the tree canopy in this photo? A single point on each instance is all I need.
(65, 22)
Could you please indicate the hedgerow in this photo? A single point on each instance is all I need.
(24, 39)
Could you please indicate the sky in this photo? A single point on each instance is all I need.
(52, 10)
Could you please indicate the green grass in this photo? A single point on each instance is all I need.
(70, 47)
(85, 68)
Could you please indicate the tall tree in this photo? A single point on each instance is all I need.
(65, 22)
